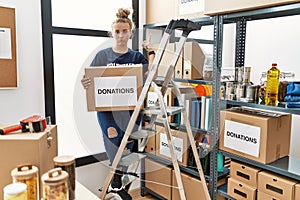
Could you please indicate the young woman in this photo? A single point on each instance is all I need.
(114, 123)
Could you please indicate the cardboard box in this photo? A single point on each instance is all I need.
(213, 7)
(150, 146)
(19, 148)
(114, 88)
(263, 196)
(166, 61)
(193, 62)
(254, 134)
(158, 178)
(240, 191)
(180, 142)
(192, 187)
(244, 173)
(276, 186)
(297, 191)
(156, 11)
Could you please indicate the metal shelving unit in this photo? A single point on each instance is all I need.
(213, 176)
(287, 166)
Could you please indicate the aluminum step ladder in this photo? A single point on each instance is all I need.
(161, 109)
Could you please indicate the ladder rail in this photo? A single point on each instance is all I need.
(170, 142)
(192, 142)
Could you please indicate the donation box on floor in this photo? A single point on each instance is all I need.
(114, 87)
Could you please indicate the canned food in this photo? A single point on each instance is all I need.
(252, 93)
(55, 185)
(67, 163)
(15, 191)
(246, 77)
(27, 174)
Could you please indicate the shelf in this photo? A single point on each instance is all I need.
(181, 127)
(265, 13)
(222, 190)
(287, 166)
(262, 106)
(204, 82)
(188, 170)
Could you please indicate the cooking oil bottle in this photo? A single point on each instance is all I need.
(273, 75)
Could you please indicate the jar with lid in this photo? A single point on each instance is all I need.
(27, 174)
(55, 185)
(15, 191)
(67, 163)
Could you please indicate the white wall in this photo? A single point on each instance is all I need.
(28, 98)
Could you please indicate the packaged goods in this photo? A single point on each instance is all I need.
(55, 185)
(15, 191)
(67, 163)
(27, 174)
(273, 75)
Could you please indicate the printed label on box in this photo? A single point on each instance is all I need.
(164, 146)
(242, 137)
(190, 6)
(115, 91)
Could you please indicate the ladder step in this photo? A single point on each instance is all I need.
(142, 134)
(171, 110)
(130, 159)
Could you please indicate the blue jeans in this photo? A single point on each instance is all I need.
(118, 120)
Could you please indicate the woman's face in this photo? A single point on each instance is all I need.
(121, 32)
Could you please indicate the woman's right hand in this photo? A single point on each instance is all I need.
(85, 81)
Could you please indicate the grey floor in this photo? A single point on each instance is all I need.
(92, 176)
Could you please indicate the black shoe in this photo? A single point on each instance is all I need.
(116, 186)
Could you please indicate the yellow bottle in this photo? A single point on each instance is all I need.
(273, 75)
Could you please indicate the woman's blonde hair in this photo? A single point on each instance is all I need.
(122, 17)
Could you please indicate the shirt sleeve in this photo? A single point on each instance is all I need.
(100, 59)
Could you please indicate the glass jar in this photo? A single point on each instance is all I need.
(15, 191)
(27, 174)
(67, 163)
(55, 185)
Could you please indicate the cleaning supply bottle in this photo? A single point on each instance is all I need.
(273, 76)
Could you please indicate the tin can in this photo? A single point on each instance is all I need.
(229, 91)
(240, 91)
(246, 76)
(15, 191)
(239, 73)
(55, 185)
(27, 174)
(67, 163)
(252, 93)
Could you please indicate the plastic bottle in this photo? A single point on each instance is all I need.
(273, 75)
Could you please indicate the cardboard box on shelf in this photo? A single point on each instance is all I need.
(158, 178)
(17, 148)
(276, 185)
(193, 61)
(297, 191)
(180, 142)
(166, 60)
(213, 7)
(240, 191)
(244, 173)
(114, 88)
(150, 146)
(262, 136)
(263, 196)
(192, 187)
(156, 11)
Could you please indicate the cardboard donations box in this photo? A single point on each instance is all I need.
(180, 142)
(262, 136)
(17, 148)
(114, 88)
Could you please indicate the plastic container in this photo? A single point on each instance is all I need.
(27, 174)
(272, 86)
(67, 163)
(55, 185)
(15, 191)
